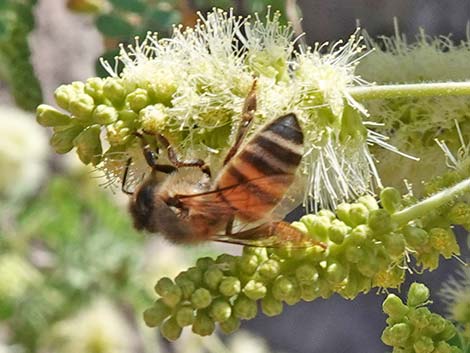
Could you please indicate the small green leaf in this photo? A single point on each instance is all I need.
(113, 26)
(163, 20)
(137, 6)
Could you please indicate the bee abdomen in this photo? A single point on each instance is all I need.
(264, 169)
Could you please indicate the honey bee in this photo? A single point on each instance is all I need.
(187, 206)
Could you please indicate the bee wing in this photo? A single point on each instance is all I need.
(271, 235)
(237, 199)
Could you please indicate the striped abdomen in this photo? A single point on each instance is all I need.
(263, 169)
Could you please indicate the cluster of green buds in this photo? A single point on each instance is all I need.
(16, 22)
(367, 246)
(413, 328)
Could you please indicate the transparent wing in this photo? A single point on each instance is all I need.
(271, 235)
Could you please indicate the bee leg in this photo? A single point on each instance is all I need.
(247, 116)
(151, 158)
(124, 178)
(177, 162)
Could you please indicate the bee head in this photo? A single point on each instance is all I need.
(150, 212)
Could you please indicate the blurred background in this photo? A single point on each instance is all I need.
(74, 275)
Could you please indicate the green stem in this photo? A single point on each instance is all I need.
(412, 90)
(431, 203)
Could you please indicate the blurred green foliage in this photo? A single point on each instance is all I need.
(68, 245)
(16, 22)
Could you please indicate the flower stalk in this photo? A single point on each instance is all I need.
(413, 90)
(431, 203)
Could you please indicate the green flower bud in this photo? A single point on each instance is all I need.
(138, 99)
(230, 286)
(114, 90)
(171, 330)
(418, 294)
(203, 324)
(154, 118)
(227, 262)
(63, 94)
(162, 91)
(399, 333)
(300, 226)
(163, 286)
(306, 273)
(443, 347)
(284, 288)
(248, 263)
(185, 316)
(271, 306)
(201, 298)
(358, 214)
(49, 116)
(369, 201)
(212, 277)
(254, 290)
(88, 145)
(390, 198)
(394, 307)
(62, 139)
(104, 114)
(389, 278)
(437, 324)
(195, 275)
(424, 345)
(309, 291)
(186, 285)
(358, 235)
(338, 231)
(118, 133)
(155, 315)
(82, 106)
(317, 226)
(354, 254)
(443, 240)
(428, 261)
(94, 88)
(460, 213)
(230, 325)
(335, 273)
(386, 337)
(327, 213)
(448, 332)
(171, 294)
(245, 308)
(368, 265)
(128, 117)
(269, 269)
(342, 211)
(380, 222)
(220, 310)
(415, 237)
(395, 244)
(420, 317)
(259, 252)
